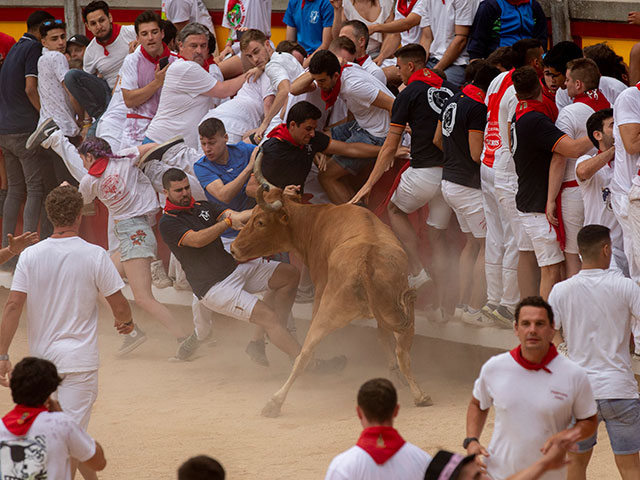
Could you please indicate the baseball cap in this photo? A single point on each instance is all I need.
(446, 465)
(79, 40)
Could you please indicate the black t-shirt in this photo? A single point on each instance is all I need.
(420, 105)
(205, 266)
(286, 164)
(461, 115)
(534, 136)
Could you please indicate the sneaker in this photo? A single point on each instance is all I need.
(132, 341)
(257, 352)
(306, 294)
(156, 152)
(563, 350)
(417, 281)
(476, 318)
(41, 134)
(459, 311)
(503, 316)
(187, 347)
(159, 277)
(488, 310)
(332, 365)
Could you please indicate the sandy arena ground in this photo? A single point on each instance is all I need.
(152, 414)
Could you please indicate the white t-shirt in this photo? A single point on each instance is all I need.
(68, 273)
(46, 449)
(572, 120)
(358, 90)
(626, 110)
(595, 310)
(375, 39)
(95, 61)
(530, 406)
(54, 100)
(611, 87)
(182, 103)
(414, 33)
(123, 188)
(178, 11)
(248, 14)
(282, 66)
(408, 463)
(442, 17)
(370, 66)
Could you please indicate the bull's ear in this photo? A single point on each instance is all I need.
(283, 217)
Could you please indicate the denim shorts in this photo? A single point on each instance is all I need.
(351, 132)
(622, 419)
(136, 238)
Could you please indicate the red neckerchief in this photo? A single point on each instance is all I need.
(381, 443)
(492, 139)
(518, 2)
(170, 207)
(474, 93)
(165, 53)
(361, 60)
(405, 7)
(593, 98)
(99, 166)
(115, 31)
(281, 132)
(526, 106)
(331, 97)
(207, 62)
(427, 76)
(516, 353)
(19, 420)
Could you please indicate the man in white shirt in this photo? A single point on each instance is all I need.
(381, 453)
(593, 174)
(535, 392)
(357, 32)
(37, 439)
(596, 311)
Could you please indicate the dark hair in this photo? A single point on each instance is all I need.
(201, 467)
(288, 46)
(377, 398)
(170, 31)
(323, 61)
(524, 51)
(252, 35)
(503, 57)
(485, 76)
(586, 70)
(211, 127)
(595, 123)
(413, 52)
(48, 25)
(342, 43)
(33, 380)
(609, 62)
(94, 6)
(63, 205)
(303, 111)
(36, 18)
(526, 83)
(534, 301)
(561, 54)
(172, 175)
(360, 30)
(472, 68)
(591, 239)
(148, 16)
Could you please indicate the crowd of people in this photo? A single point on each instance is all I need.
(535, 148)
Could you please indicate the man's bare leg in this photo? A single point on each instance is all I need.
(479, 287)
(628, 466)
(549, 276)
(466, 267)
(577, 469)
(572, 264)
(332, 180)
(528, 274)
(405, 232)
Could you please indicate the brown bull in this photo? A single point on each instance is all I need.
(356, 263)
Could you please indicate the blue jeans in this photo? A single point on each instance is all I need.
(92, 92)
(454, 73)
(622, 419)
(351, 132)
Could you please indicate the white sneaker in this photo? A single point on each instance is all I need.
(416, 281)
(459, 311)
(476, 318)
(563, 350)
(41, 133)
(159, 277)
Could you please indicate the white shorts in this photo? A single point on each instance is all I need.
(421, 186)
(77, 393)
(233, 296)
(540, 237)
(467, 205)
(572, 217)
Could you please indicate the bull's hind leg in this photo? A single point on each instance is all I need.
(385, 337)
(404, 340)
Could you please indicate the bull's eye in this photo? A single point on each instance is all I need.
(259, 223)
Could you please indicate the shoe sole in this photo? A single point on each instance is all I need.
(166, 145)
(32, 142)
(476, 323)
(132, 346)
(502, 322)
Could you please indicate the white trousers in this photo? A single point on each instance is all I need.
(622, 211)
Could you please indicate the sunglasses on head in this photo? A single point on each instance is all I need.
(52, 22)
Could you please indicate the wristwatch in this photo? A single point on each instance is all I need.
(467, 441)
(4, 358)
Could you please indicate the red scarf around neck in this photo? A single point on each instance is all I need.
(99, 166)
(427, 76)
(281, 132)
(19, 420)
(165, 53)
(552, 353)
(518, 2)
(361, 60)
(474, 93)
(381, 443)
(170, 207)
(594, 99)
(331, 96)
(405, 6)
(526, 106)
(115, 31)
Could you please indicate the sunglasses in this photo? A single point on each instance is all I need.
(52, 22)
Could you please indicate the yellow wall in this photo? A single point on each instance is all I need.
(15, 29)
(621, 46)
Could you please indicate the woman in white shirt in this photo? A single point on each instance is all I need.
(367, 11)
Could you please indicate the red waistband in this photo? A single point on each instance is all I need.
(135, 115)
(569, 184)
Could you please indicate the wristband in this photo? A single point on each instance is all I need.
(468, 441)
(4, 358)
(228, 221)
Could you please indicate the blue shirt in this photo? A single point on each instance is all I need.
(309, 21)
(207, 171)
(17, 114)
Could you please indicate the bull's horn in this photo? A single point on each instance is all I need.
(264, 186)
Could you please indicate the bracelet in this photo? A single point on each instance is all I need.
(228, 221)
(4, 358)
(12, 252)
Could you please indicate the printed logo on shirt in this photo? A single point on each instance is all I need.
(449, 119)
(113, 186)
(514, 139)
(437, 97)
(558, 395)
(236, 13)
(23, 459)
(606, 198)
(314, 16)
(205, 215)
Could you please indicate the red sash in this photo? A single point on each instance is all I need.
(427, 76)
(516, 353)
(381, 443)
(171, 207)
(405, 7)
(19, 420)
(99, 166)
(561, 234)
(492, 140)
(474, 93)
(331, 96)
(115, 31)
(593, 98)
(165, 53)
(281, 132)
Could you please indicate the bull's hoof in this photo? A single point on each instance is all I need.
(423, 401)
(272, 409)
